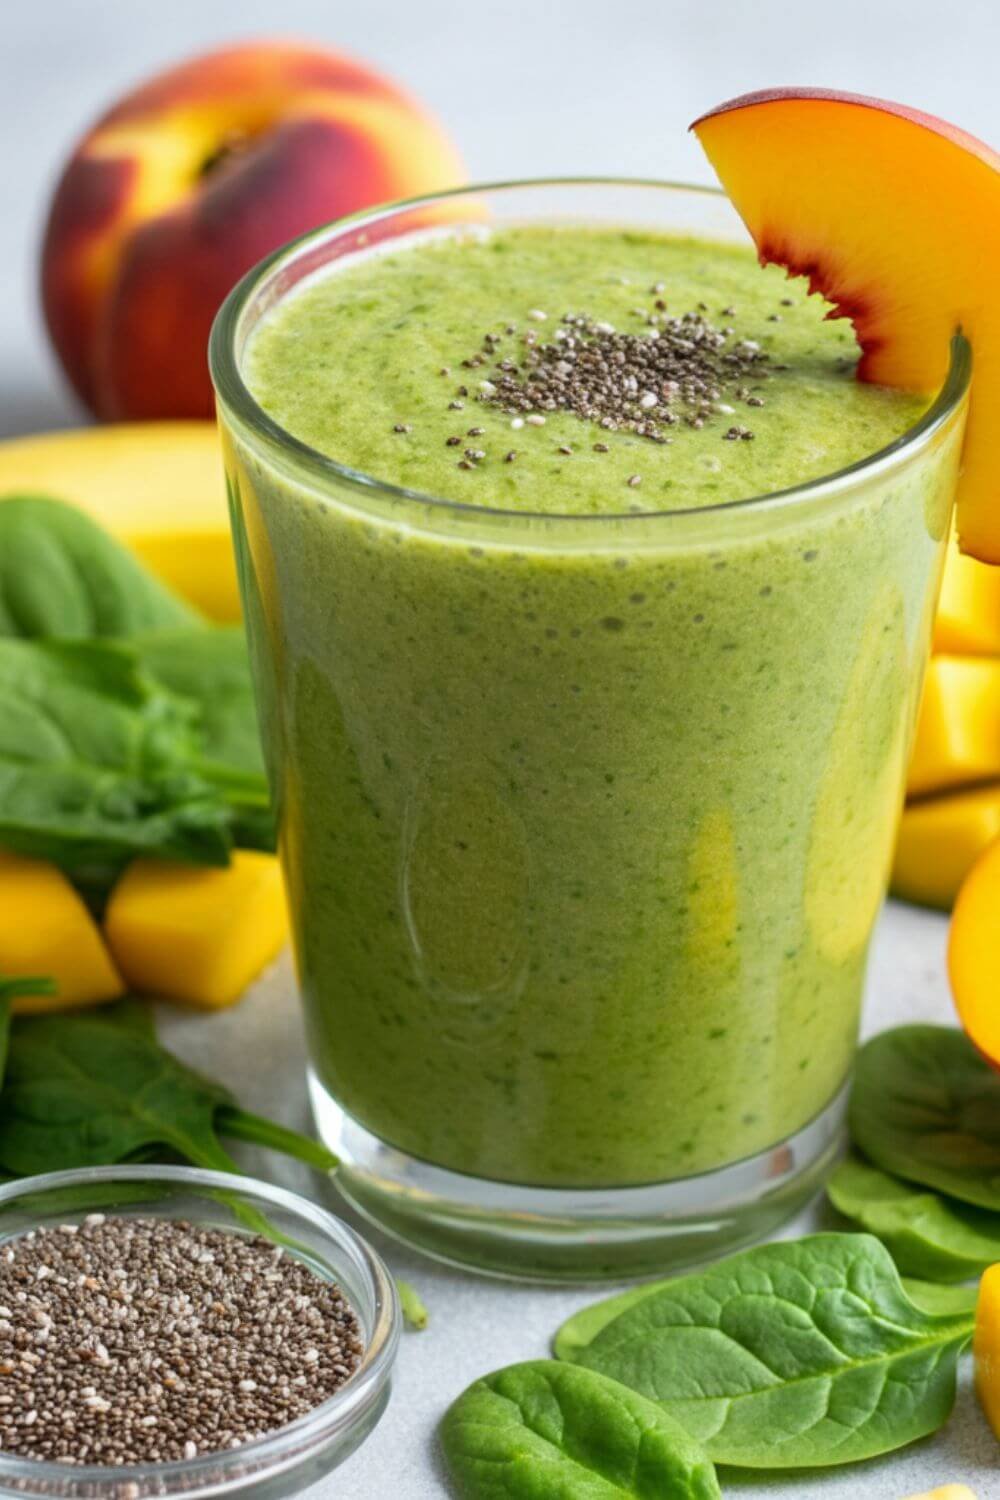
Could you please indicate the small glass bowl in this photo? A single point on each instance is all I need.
(284, 1461)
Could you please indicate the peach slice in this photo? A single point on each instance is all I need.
(894, 216)
(974, 955)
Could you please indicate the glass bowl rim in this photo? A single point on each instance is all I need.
(235, 396)
(299, 1439)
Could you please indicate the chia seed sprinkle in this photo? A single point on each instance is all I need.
(626, 381)
(402, 427)
(163, 1340)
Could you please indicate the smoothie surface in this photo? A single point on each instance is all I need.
(381, 365)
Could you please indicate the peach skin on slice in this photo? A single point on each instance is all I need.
(894, 216)
(974, 955)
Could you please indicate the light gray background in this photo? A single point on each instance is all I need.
(527, 87)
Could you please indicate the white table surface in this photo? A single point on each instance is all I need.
(527, 87)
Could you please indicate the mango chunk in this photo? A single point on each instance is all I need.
(197, 935)
(974, 968)
(986, 1347)
(938, 843)
(968, 617)
(958, 733)
(46, 930)
(946, 1492)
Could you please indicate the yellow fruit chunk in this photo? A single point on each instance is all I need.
(46, 930)
(986, 1346)
(958, 732)
(938, 843)
(157, 486)
(184, 932)
(974, 963)
(946, 1492)
(968, 616)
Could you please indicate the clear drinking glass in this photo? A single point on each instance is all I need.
(581, 961)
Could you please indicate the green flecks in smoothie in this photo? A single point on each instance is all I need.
(369, 344)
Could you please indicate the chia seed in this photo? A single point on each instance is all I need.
(137, 1341)
(625, 381)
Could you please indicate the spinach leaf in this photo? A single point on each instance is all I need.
(62, 577)
(61, 574)
(211, 668)
(942, 1301)
(11, 988)
(81, 1092)
(96, 1088)
(926, 1235)
(798, 1354)
(927, 1107)
(412, 1304)
(240, 1125)
(583, 1327)
(547, 1431)
(96, 764)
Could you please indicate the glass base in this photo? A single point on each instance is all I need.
(563, 1234)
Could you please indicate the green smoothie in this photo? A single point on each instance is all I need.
(585, 810)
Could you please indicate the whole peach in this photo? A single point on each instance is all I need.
(187, 182)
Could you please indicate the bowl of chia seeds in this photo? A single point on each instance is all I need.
(172, 1331)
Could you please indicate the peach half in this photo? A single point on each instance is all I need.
(894, 216)
(192, 178)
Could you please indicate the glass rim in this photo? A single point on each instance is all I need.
(285, 1447)
(237, 399)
